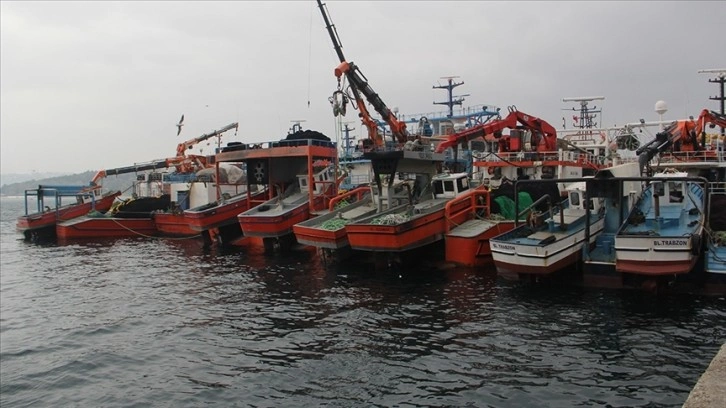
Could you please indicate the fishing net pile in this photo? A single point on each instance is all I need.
(391, 219)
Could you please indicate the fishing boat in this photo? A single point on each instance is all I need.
(532, 150)
(134, 216)
(88, 198)
(549, 242)
(275, 218)
(663, 233)
(195, 202)
(131, 217)
(53, 206)
(419, 220)
(195, 183)
(298, 179)
(327, 231)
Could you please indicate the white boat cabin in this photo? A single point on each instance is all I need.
(450, 185)
(673, 192)
(322, 181)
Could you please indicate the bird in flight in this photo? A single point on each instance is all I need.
(179, 125)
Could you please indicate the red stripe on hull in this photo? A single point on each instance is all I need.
(509, 269)
(107, 228)
(650, 268)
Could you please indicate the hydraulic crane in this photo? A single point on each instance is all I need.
(681, 135)
(183, 163)
(359, 86)
(544, 134)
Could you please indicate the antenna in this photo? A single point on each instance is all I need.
(587, 116)
(348, 146)
(453, 100)
(296, 125)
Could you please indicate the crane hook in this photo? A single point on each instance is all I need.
(339, 101)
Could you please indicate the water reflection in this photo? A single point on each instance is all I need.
(170, 322)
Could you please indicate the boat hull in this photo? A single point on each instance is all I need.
(513, 259)
(420, 230)
(274, 226)
(173, 225)
(216, 216)
(654, 256)
(317, 231)
(321, 238)
(468, 244)
(105, 227)
(41, 223)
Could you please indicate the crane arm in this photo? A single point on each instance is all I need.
(359, 85)
(495, 127)
(709, 116)
(157, 164)
(686, 131)
(184, 146)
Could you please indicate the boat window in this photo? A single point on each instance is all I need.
(574, 198)
(438, 187)
(448, 185)
(591, 204)
(658, 189)
(462, 184)
(675, 195)
(303, 181)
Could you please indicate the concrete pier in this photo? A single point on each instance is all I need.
(710, 390)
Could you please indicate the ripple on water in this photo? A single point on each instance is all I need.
(168, 323)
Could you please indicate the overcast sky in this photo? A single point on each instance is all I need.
(91, 85)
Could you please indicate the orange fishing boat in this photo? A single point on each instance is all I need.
(41, 224)
(328, 230)
(219, 218)
(300, 170)
(129, 218)
(419, 220)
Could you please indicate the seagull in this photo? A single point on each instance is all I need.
(179, 125)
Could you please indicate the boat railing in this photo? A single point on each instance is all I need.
(717, 187)
(696, 156)
(479, 205)
(578, 158)
(58, 193)
(356, 193)
(302, 142)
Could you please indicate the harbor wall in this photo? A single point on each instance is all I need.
(710, 390)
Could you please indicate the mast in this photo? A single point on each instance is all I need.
(450, 88)
(587, 115)
(720, 79)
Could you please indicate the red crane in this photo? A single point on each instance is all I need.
(183, 163)
(544, 137)
(359, 85)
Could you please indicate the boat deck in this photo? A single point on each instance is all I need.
(277, 207)
(673, 221)
(573, 221)
(472, 228)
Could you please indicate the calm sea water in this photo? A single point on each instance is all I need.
(144, 322)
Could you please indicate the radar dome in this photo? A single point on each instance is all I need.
(661, 107)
